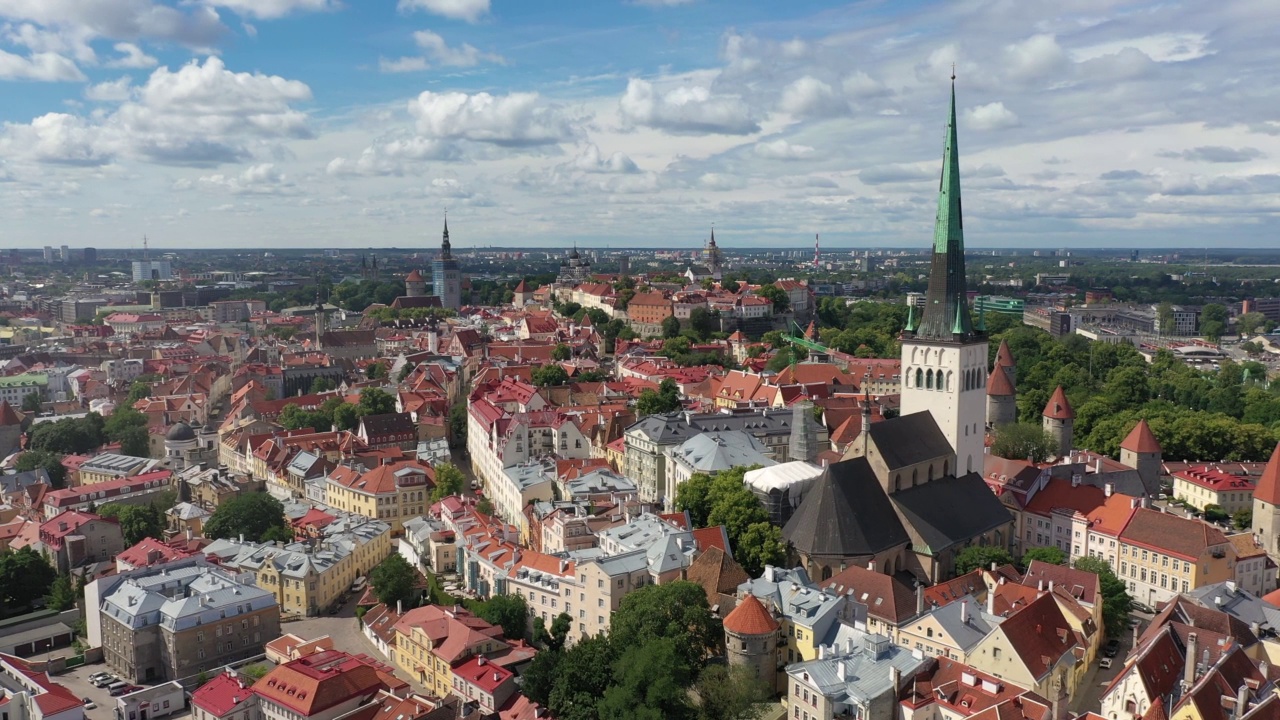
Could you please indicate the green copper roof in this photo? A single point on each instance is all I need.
(948, 228)
(911, 317)
(958, 326)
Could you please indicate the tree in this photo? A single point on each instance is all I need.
(449, 481)
(62, 596)
(560, 628)
(24, 577)
(1215, 514)
(759, 545)
(484, 507)
(511, 612)
(981, 556)
(31, 402)
(70, 436)
(376, 371)
(122, 420)
(1115, 599)
(254, 672)
(137, 391)
(135, 442)
(561, 352)
(405, 370)
(1250, 322)
(1051, 555)
(50, 462)
(584, 673)
(346, 416)
(537, 680)
(278, 533)
(779, 297)
(458, 423)
(137, 522)
(322, 384)
(664, 400)
(1019, 441)
(547, 375)
(702, 322)
(393, 580)
(730, 692)
(677, 611)
(1213, 321)
(1242, 519)
(251, 515)
(374, 401)
(649, 683)
(670, 327)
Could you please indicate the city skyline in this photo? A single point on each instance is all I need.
(304, 123)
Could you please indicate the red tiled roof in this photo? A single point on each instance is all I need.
(221, 695)
(483, 674)
(1141, 439)
(999, 384)
(1268, 489)
(750, 618)
(315, 683)
(1058, 407)
(886, 598)
(1004, 357)
(1171, 534)
(8, 416)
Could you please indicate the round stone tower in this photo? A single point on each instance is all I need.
(751, 640)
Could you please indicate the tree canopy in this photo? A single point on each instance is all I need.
(393, 581)
(981, 556)
(511, 612)
(449, 481)
(50, 462)
(252, 515)
(1019, 441)
(1115, 598)
(24, 577)
(663, 400)
(137, 522)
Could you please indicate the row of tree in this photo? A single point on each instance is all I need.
(723, 499)
(337, 413)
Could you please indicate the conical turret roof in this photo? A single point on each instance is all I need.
(750, 618)
(1268, 489)
(1004, 356)
(999, 384)
(1058, 407)
(1141, 440)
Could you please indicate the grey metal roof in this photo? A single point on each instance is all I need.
(714, 451)
(965, 621)
(950, 510)
(179, 595)
(1237, 602)
(909, 440)
(866, 674)
(846, 513)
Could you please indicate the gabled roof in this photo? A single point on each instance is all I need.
(1141, 439)
(1171, 534)
(717, 572)
(1058, 407)
(1040, 635)
(909, 440)
(887, 598)
(950, 510)
(222, 694)
(1268, 489)
(846, 514)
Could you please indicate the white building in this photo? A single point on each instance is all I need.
(152, 270)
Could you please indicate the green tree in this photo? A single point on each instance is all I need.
(31, 402)
(393, 580)
(561, 352)
(1051, 555)
(62, 596)
(24, 577)
(548, 375)
(981, 556)
(702, 322)
(251, 515)
(137, 522)
(670, 327)
(278, 533)
(255, 671)
(135, 442)
(1019, 441)
(730, 692)
(511, 612)
(1115, 599)
(1242, 519)
(347, 416)
(1215, 514)
(70, 436)
(374, 401)
(1250, 323)
(584, 673)
(484, 506)
(1213, 321)
(322, 384)
(293, 417)
(458, 424)
(376, 371)
(449, 482)
(663, 400)
(759, 545)
(676, 611)
(649, 682)
(779, 297)
(138, 390)
(405, 371)
(48, 461)
(537, 680)
(122, 421)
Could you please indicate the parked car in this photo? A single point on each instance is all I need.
(89, 704)
(1105, 663)
(104, 680)
(116, 692)
(98, 677)
(1112, 649)
(117, 688)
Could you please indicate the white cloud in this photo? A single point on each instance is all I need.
(261, 179)
(721, 182)
(862, 86)
(402, 65)
(590, 160)
(117, 90)
(58, 138)
(396, 157)
(992, 116)
(193, 26)
(1034, 57)
(517, 119)
(45, 66)
(685, 110)
(468, 10)
(782, 150)
(1162, 47)
(271, 9)
(811, 97)
(133, 57)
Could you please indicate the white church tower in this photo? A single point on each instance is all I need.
(944, 354)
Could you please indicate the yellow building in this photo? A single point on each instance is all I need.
(952, 630)
(392, 493)
(432, 640)
(1036, 648)
(1201, 486)
(1162, 555)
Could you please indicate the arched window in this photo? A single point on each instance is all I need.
(915, 475)
(949, 378)
(928, 380)
(919, 378)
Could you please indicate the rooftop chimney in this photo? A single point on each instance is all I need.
(964, 611)
(1189, 670)
(919, 598)
(1242, 700)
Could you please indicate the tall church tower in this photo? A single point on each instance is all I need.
(446, 278)
(1266, 506)
(944, 355)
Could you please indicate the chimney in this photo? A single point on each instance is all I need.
(991, 602)
(1109, 489)
(1050, 586)
(1040, 585)
(872, 565)
(895, 677)
(1242, 700)
(919, 598)
(964, 612)
(841, 670)
(1189, 671)
(399, 607)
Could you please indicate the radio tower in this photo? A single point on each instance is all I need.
(815, 252)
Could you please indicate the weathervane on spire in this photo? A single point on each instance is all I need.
(953, 72)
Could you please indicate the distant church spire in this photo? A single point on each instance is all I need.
(946, 313)
(446, 250)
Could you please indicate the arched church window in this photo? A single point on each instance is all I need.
(928, 379)
(919, 378)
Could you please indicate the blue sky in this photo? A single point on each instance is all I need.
(354, 123)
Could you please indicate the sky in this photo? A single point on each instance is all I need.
(635, 123)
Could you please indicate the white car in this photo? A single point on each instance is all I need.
(89, 704)
(1105, 663)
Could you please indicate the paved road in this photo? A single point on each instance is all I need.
(1090, 696)
(76, 680)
